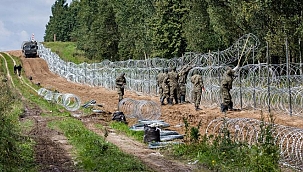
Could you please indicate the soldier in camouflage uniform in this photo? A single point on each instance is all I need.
(173, 85)
(160, 78)
(120, 83)
(225, 87)
(165, 87)
(182, 83)
(198, 86)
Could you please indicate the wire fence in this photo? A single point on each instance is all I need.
(288, 139)
(264, 86)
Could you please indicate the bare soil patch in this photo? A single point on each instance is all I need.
(52, 152)
(38, 70)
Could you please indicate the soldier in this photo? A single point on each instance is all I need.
(120, 83)
(173, 85)
(225, 87)
(182, 83)
(198, 86)
(165, 87)
(160, 78)
(17, 68)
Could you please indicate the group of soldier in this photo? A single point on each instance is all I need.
(172, 86)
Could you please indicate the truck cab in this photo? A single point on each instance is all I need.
(29, 49)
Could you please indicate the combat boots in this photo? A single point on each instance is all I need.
(230, 106)
(197, 108)
(162, 100)
(170, 101)
(182, 99)
(224, 108)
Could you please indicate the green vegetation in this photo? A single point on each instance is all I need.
(138, 135)
(91, 151)
(224, 153)
(16, 153)
(121, 30)
(68, 52)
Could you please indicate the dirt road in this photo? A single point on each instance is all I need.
(38, 70)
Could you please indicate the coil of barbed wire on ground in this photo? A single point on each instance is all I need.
(250, 89)
(140, 109)
(288, 139)
(71, 102)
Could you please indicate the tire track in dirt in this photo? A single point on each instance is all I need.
(52, 153)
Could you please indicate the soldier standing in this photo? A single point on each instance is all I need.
(225, 87)
(173, 85)
(165, 87)
(182, 83)
(198, 85)
(120, 83)
(160, 78)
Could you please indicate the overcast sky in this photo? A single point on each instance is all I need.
(19, 19)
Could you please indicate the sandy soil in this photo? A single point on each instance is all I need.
(38, 70)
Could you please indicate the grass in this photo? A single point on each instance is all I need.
(16, 150)
(91, 151)
(223, 153)
(119, 126)
(218, 153)
(68, 52)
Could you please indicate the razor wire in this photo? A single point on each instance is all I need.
(250, 89)
(70, 101)
(140, 109)
(288, 139)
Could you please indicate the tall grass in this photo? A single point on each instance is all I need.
(16, 153)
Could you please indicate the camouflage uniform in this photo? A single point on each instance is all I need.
(160, 78)
(182, 83)
(198, 86)
(120, 83)
(165, 87)
(173, 86)
(225, 87)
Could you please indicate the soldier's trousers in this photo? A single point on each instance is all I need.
(173, 93)
(160, 91)
(226, 96)
(120, 91)
(197, 97)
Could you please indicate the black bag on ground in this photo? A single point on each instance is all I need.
(151, 134)
(119, 116)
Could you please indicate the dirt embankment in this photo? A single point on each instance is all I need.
(38, 70)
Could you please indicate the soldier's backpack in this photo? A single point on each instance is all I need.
(119, 116)
(151, 134)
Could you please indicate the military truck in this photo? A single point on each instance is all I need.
(29, 49)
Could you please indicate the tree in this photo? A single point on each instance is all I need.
(166, 29)
(58, 24)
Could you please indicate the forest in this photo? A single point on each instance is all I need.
(140, 29)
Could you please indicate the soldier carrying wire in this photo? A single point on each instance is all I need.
(226, 86)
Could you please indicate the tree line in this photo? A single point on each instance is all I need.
(140, 29)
